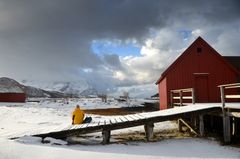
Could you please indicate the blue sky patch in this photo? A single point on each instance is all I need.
(122, 49)
(185, 33)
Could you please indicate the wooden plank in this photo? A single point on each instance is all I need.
(183, 90)
(140, 116)
(232, 96)
(187, 97)
(130, 117)
(229, 85)
(118, 120)
(176, 97)
(235, 114)
(143, 115)
(134, 117)
(84, 125)
(112, 121)
(73, 127)
(184, 97)
(78, 126)
(92, 124)
(107, 122)
(187, 125)
(123, 119)
(237, 86)
(179, 104)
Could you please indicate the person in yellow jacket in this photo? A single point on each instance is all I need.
(78, 116)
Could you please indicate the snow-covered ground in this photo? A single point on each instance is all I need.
(18, 120)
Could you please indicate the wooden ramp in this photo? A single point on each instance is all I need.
(127, 121)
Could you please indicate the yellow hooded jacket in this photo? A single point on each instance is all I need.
(77, 116)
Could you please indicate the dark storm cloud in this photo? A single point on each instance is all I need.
(75, 18)
(52, 38)
(113, 61)
(57, 34)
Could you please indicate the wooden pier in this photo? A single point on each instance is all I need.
(195, 112)
(145, 119)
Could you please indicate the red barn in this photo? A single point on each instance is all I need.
(199, 67)
(11, 91)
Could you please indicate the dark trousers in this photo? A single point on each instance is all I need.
(87, 120)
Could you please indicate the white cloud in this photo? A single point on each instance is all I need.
(228, 42)
(156, 53)
(197, 32)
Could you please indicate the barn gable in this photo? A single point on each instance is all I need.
(198, 44)
(199, 67)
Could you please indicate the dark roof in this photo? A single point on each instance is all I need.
(185, 52)
(234, 61)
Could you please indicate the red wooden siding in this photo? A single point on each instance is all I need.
(203, 71)
(12, 97)
(201, 85)
(163, 97)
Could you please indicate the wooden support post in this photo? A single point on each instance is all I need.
(194, 120)
(226, 129)
(222, 96)
(149, 131)
(233, 126)
(226, 119)
(106, 136)
(193, 96)
(181, 98)
(171, 97)
(201, 125)
(180, 125)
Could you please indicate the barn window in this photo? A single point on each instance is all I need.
(199, 50)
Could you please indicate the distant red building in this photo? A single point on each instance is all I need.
(11, 92)
(199, 67)
(12, 97)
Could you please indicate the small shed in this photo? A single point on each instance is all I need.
(10, 91)
(199, 67)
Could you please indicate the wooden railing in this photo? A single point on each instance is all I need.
(224, 96)
(179, 94)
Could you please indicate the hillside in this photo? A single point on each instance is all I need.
(7, 84)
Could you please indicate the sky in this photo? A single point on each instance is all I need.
(109, 43)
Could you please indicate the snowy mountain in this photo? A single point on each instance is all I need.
(10, 85)
(77, 88)
(14, 86)
(83, 88)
